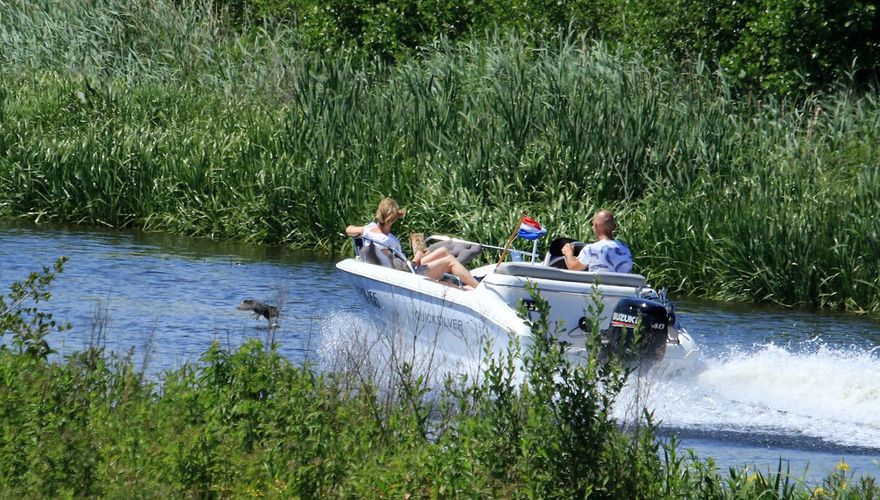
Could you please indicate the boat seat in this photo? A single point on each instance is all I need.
(368, 254)
(463, 251)
(368, 251)
(401, 263)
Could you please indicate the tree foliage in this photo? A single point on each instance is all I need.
(782, 46)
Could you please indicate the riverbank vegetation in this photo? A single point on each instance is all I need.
(165, 116)
(246, 422)
(783, 46)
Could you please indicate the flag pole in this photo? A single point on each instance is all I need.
(510, 240)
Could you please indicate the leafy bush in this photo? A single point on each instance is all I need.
(784, 46)
(23, 320)
(248, 423)
(788, 46)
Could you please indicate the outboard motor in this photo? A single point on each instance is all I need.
(650, 318)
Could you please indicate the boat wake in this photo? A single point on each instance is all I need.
(806, 393)
(356, 345)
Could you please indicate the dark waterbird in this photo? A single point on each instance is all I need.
(260, 309)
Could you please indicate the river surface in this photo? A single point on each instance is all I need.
(803, 386)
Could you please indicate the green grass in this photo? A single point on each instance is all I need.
(159, 116)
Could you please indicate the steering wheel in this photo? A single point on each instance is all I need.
(559, 261)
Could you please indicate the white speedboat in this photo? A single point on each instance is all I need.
(460, 319)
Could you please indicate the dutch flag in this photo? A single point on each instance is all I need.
(530, 229)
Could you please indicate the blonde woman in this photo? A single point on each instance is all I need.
(432, 265)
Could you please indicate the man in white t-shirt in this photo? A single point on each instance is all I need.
(605, 254)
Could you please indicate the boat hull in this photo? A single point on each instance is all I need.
(463, 321)
(457, 321)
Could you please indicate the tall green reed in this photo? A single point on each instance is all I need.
(797, 227)
(157, 115)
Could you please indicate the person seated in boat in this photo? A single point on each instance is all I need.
(605, 254)
(433, 264)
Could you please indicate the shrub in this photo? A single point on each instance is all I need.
(248, 423)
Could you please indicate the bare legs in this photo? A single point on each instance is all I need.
(427, 258)
(440, 261)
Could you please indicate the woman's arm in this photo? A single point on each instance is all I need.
(354, 230)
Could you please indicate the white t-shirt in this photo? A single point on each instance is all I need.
(384, 241)
(607, 255)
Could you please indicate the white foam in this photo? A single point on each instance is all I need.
(816, 391)
(353, 342)
(828, 393)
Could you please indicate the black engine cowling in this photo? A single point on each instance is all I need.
(638, 330)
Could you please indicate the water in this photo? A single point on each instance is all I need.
(797, 384)
(771, 383)
(171, 294)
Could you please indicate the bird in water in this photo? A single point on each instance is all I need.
(260, 309)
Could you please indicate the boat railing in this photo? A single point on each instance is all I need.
(367, 253)
(515, 254)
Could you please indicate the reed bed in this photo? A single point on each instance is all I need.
(157, 115)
